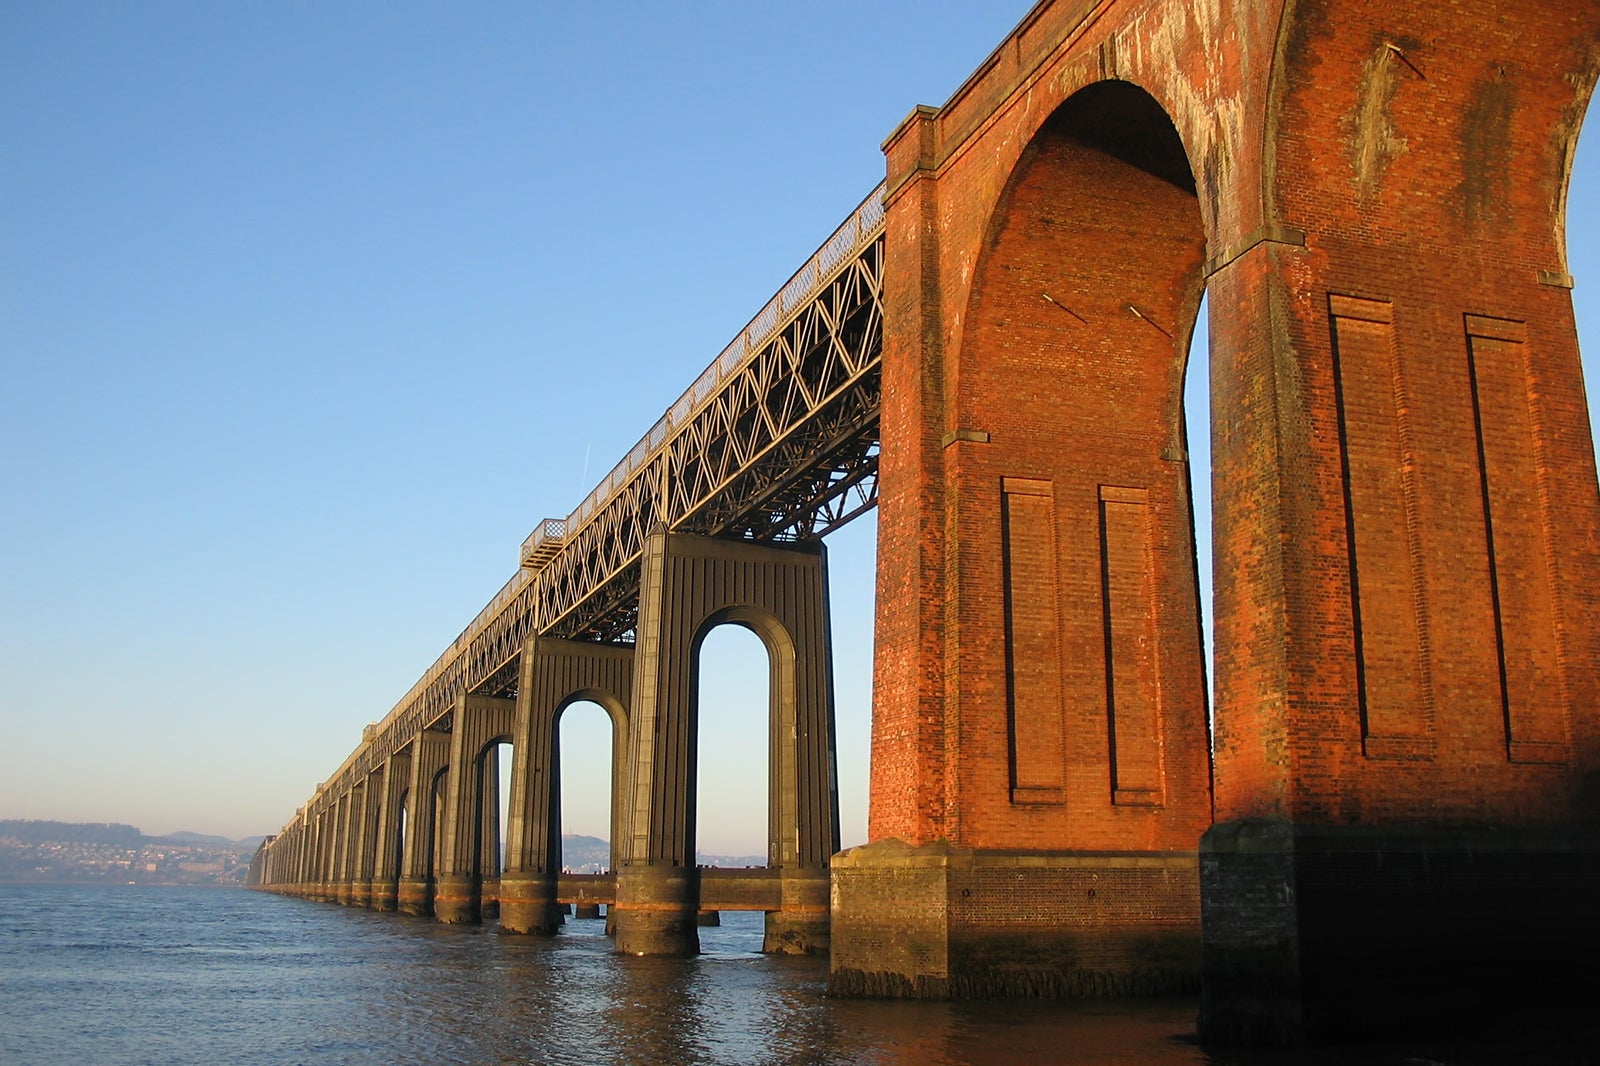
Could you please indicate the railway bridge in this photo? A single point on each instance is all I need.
(1391, 804)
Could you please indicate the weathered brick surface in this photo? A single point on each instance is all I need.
(942, 921)
(1406, 516)
(1318, 932)
(1405, 499)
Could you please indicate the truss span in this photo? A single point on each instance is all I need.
(777, 440)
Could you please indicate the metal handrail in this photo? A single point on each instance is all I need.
(854, 234)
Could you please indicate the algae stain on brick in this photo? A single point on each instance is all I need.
(1486, 150)
(1374, 139)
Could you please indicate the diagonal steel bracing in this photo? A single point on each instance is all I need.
(776, 441)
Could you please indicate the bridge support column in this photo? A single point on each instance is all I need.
(1408, 545)
(940, 921)
(1319, 932)
(305, 851)
(349, 844)
(688, 585)
(555, 673)
(324, 888)
(358, 871)
(1040, 774)
(430, 759)
(801, 926)
(478, 721)
(490, 832)
(392, 780)
(658, 910)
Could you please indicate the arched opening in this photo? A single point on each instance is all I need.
(1078, 332)
(1197, 432)
(852, 591)
(402, 832)
(586, 757)
(733, 822)
(437, 802)
(1583, 252)
(492, 770)
(503, 756)
(732, 790)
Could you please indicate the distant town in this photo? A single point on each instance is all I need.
(110, 853)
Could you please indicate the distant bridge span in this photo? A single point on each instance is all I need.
(1392, 806)
(776, 441)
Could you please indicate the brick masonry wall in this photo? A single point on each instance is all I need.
(1406, 513)
(946, 921)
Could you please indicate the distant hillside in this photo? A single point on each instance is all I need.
(114, 834)
(55, 852)
(584, 855)
(203, 838)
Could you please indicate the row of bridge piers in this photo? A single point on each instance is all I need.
(419, 833)
(1373, 802)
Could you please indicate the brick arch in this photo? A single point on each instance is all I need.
(1580, 120)
(1099, 220)
(1067, 462)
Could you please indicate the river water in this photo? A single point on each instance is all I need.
(101, 975)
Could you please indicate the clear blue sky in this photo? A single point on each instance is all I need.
(308, 313)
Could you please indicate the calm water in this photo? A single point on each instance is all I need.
(96, 975)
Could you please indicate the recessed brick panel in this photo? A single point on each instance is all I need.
(1033, 642)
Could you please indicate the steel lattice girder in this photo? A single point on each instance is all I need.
(784, 448)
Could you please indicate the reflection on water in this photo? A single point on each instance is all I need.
(138, 975)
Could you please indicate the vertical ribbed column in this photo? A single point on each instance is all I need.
(366, 824)
(478, 723)
(394, 777)
(430, 757)
(328, 872)
(554, 674)
(490, 830)
(349, 843)
(302, 852)
(305, 858)
(688, 585)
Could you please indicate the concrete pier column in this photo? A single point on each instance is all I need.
(322, 888)
(299, 859)
(690, 584)
(478, 724)
(305, 851)
(801, 926)
(555, 673)
(490, 832)
(366, 839)
(658, 910)
(430, 759)
(328, 887)
(395, 776)
(350, 820)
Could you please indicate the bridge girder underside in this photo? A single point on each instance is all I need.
(785, 451)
